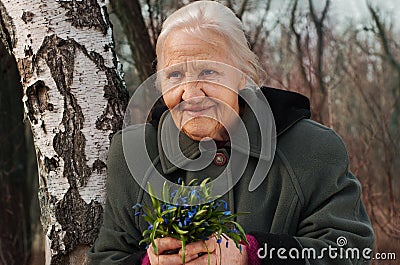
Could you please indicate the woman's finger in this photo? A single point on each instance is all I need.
(167, 243)
(199, 247)
(173, 259)
(203, 260)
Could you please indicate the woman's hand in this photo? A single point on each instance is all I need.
(196, 253)
(164, 245)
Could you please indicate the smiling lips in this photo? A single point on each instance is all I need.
(195, 110)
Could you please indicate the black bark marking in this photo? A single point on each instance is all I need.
(85, 14)
(98, 166)
(80, 222)
(51, 164)
(50, 107)
(7, 29)
(37, 101)
(69, 144)
(27, 16)
(28, 51)
(116, 95)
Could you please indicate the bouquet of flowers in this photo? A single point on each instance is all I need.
(188, 221)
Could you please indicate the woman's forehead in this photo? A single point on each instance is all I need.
(182, 47)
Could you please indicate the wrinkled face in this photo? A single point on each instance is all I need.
(200, 84)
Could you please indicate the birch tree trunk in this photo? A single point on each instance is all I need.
(74, 98)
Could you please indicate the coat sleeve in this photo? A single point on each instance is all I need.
(333, 227)
(117, 242)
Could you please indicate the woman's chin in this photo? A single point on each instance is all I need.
(199, 133)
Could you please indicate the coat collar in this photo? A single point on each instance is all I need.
(287, 109)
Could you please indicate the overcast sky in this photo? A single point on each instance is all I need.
(357, 9)
(344, 11)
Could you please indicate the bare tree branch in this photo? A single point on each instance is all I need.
(143, 51)
(299, 51)
(319, 27)
(384, 39)
(260, 26)
(152, 18)
(242, 8)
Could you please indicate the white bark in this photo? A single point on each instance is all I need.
(74, 98)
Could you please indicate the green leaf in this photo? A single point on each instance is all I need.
(149, 213)
(203, 183)
(165, 192)
(178, 230)
(168, 211)
(152, 238)
(192, 182)
(146, 240)
(183, 239)
(155, 201)
(199, 214)
(146, 232)
(241, 230)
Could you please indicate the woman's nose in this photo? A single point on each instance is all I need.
(192, 90)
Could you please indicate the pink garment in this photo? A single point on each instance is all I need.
(146, 260)
(251, 249)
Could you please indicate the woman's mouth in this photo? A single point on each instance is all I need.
(196, 111)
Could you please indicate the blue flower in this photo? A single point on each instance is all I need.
(187, 221)
(227, 212)
(191, 214)
(219, 240)
(138, 213)
(150, 227)
(225, 204)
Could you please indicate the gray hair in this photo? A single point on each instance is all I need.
(201, 16)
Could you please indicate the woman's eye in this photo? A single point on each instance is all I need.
(175, 74)
(207, 72)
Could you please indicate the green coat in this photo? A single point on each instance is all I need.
(308, 200)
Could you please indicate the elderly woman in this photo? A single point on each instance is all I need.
(307, 201)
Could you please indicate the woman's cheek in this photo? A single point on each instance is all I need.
(171, 98)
